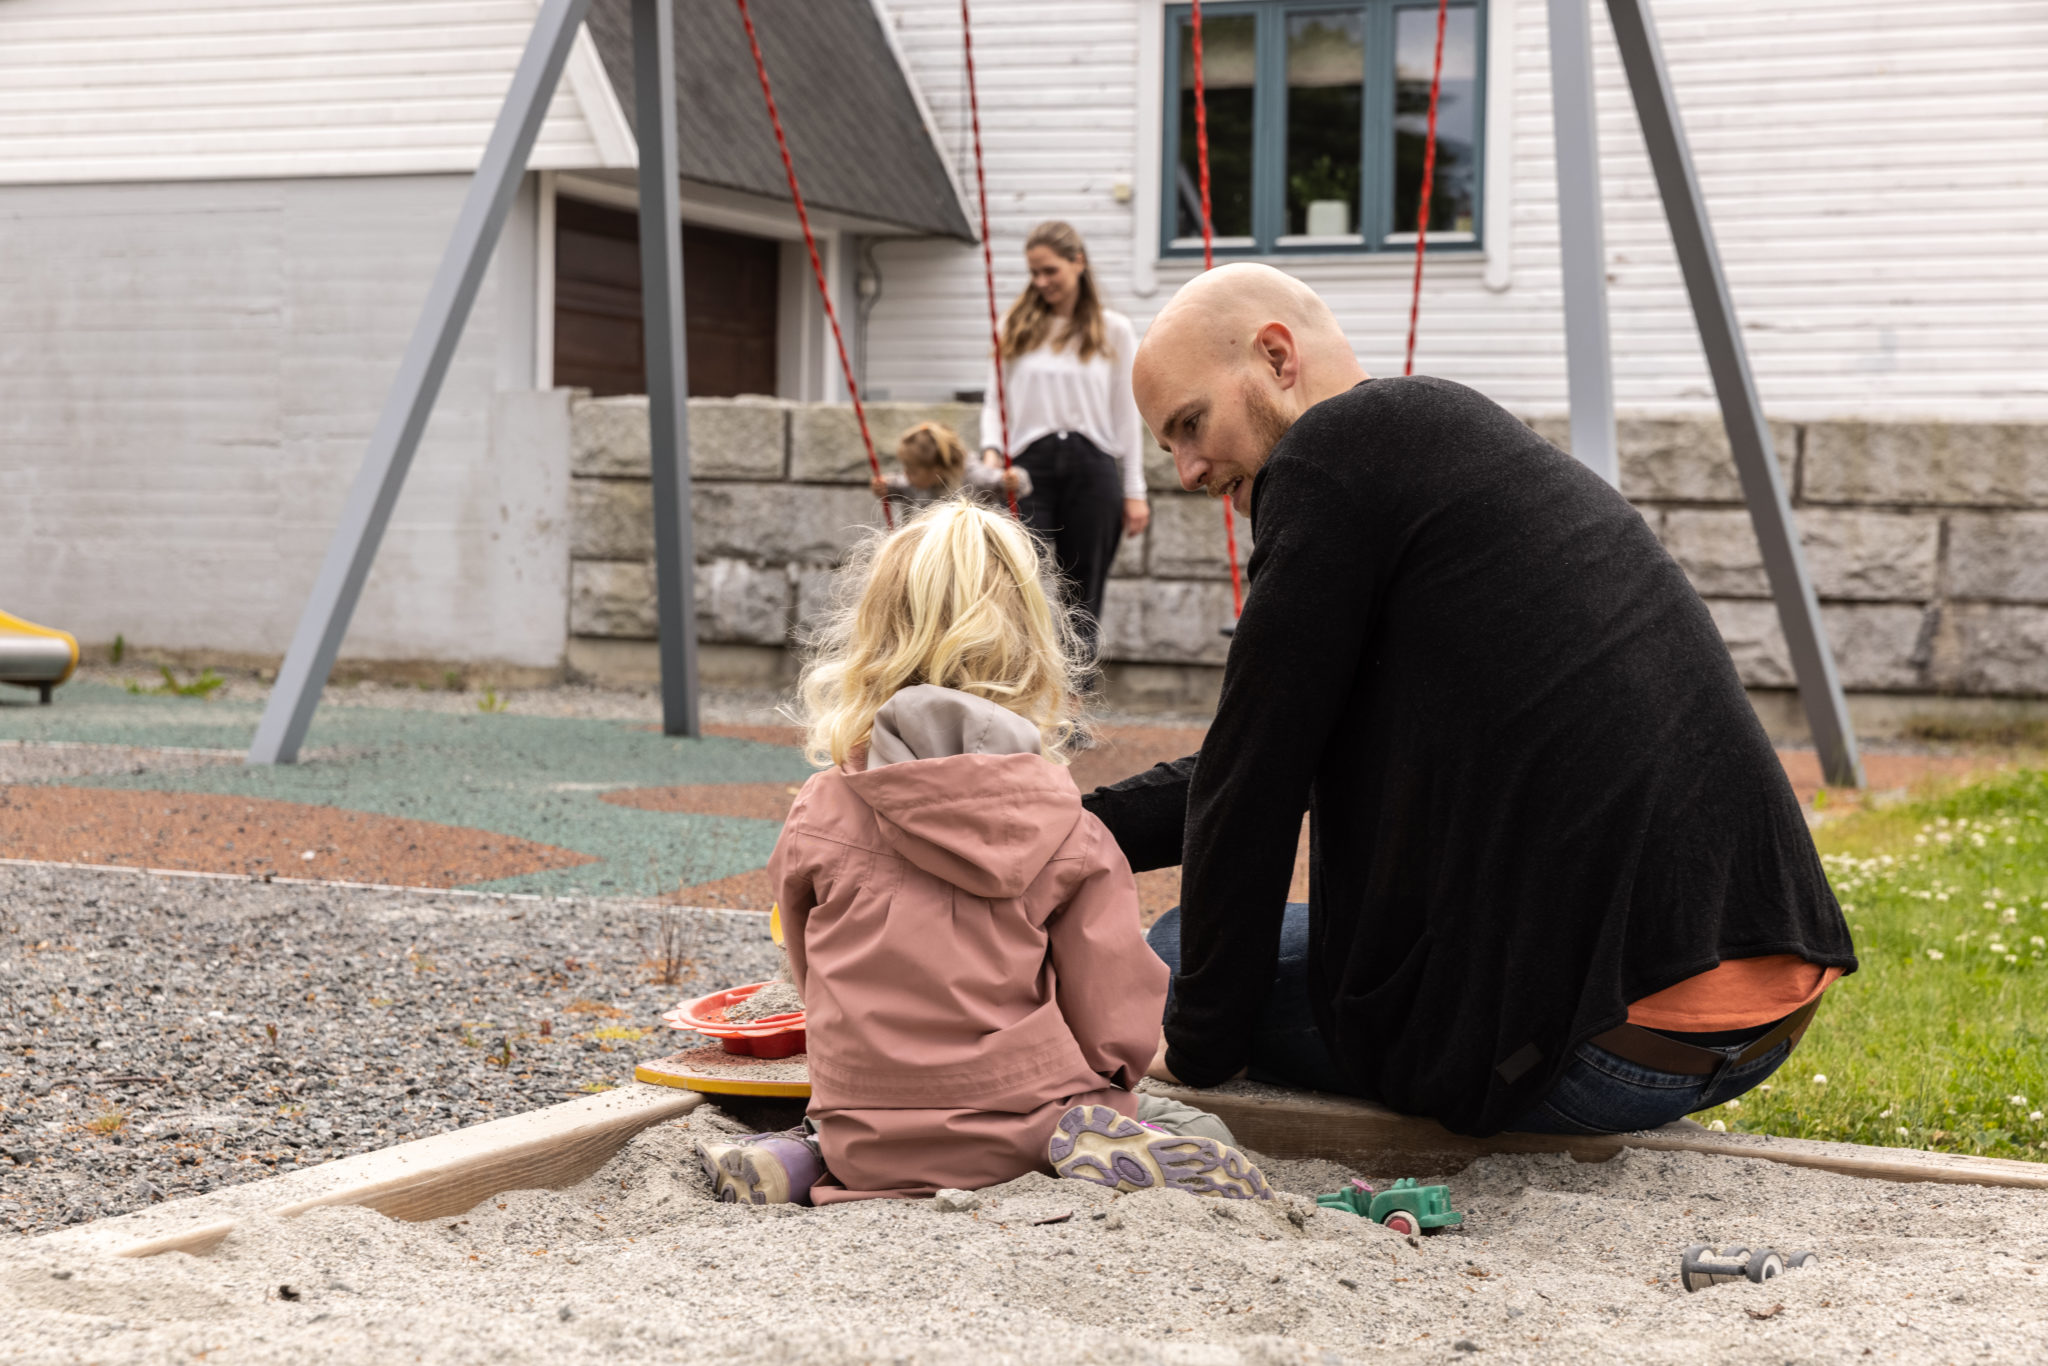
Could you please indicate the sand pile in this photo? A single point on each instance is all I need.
(1557, 1262)
(777, 998)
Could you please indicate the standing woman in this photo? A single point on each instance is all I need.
(1074, 424)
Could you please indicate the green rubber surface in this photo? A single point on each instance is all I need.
(539, 778)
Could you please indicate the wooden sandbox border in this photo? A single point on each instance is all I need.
(1374, 1138)
(428, 1178)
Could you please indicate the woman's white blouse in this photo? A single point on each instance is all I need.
(1052, 390)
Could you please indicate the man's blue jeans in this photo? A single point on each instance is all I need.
(1598, 1093)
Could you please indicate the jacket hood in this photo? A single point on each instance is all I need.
(960, 789)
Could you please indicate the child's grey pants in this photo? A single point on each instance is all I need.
(1183, 1120)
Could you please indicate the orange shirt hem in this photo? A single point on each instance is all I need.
(1736, 994)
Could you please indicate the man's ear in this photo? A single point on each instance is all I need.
(1273, 347)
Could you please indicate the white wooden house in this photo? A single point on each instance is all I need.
(216, 229)
(216, 226)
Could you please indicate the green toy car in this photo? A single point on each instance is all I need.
(1403, 1207)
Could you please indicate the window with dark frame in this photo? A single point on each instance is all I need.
(1318, 119)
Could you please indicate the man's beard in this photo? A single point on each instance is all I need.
(1268, 423)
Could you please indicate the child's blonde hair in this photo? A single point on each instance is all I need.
(933, 445)
(956, 598)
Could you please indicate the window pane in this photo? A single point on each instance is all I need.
(1325, 103)
(1230, 67)
(1456, 189)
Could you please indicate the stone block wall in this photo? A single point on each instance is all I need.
(1928, 543)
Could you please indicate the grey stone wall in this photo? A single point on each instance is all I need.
(1926, 541)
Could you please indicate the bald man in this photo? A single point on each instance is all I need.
(1558, 879)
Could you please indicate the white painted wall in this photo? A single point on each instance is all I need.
(188, 376)
(1877, 172)
(104, 90)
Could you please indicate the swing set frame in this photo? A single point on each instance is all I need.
(395, 439)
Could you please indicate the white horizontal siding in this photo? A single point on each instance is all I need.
(189, 373)
(120, 90)
(1876, 170)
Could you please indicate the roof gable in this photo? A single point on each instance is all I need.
(858, 138)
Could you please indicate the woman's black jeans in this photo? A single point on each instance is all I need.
(1076, 506)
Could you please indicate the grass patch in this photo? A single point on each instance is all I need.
(1940, 1041)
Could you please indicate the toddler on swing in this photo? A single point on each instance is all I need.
(980, 999)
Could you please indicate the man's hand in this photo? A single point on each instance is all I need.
(880, 486)
(1012, 481)
(1158, 1070)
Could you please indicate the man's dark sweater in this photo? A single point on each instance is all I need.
(1536, 790)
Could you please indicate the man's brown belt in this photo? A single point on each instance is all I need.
(1664, 1054)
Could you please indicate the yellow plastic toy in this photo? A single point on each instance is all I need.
(33, 656)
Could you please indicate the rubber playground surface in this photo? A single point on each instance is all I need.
(483, 801)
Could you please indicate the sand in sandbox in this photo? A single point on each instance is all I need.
(1558, 1262)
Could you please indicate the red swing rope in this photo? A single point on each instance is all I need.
(1436, 77)
(811, 245)
(988, 264)
(1209, 260)
(1421, 225)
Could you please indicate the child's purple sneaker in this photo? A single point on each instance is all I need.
(1095, 1143)
(762, 1169)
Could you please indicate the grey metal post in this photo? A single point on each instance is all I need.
(668, 407)
(1582, 250)
(410, 401)
(1749, 435)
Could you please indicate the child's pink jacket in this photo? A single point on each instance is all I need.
(966, 940)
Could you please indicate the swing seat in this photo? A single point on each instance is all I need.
(33, 656)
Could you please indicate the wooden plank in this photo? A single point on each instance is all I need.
(428, 1178)
(1362, 1134)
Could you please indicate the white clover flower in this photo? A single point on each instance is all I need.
(2035, 1115)
(1995, 947)
(2038, 942)
(1718, 1127)
(2019, 1102)
(1919, 839)
(1885, 1113)
(1820, 1079)
(1903, 1131)
(1991, 905)
(1734, 1105)
(2009, 916)
(2012, 958)
(1936, 954)
(1941, 896)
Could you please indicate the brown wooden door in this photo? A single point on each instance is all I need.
(731, 285)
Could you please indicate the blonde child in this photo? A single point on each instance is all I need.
(980, 998)
(935, 466)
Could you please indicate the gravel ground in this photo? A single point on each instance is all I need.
(718, 706)
(137, 1055)
(53, 761)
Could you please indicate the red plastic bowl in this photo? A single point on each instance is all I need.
(776, 1036)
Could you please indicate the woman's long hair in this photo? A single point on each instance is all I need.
(1029, 323)
(956, 598)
